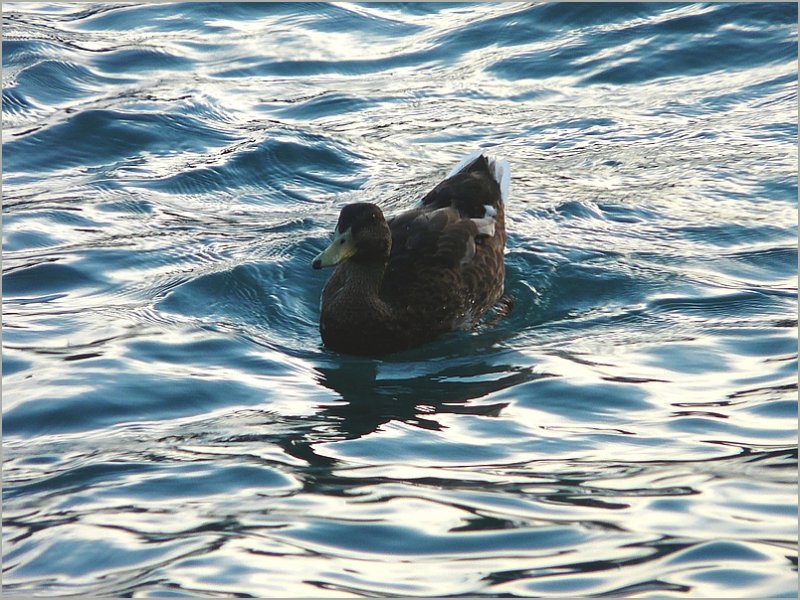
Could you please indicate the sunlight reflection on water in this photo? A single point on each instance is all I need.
(172, 424)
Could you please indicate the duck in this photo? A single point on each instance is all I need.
(401, 282)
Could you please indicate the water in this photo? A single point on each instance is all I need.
(172, 425)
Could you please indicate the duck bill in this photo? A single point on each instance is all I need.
(340, 249)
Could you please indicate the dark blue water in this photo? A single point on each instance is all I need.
(172, 425)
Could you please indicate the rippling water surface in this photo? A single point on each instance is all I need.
(172, 424)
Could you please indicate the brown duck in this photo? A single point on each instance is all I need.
(402, 282)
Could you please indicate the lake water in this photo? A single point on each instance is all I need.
(172, 425)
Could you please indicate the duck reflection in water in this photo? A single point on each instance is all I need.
(376, 392)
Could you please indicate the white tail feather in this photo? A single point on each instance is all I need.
(501, 171)
(466, 161)
(502, 175)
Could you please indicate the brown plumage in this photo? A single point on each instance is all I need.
(402, 282)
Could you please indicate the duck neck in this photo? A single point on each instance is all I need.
(364, 280)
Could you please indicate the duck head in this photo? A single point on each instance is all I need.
(361, 235)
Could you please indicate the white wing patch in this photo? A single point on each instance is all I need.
(485, 226)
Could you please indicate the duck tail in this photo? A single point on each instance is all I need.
(501, 171)
(498, 166)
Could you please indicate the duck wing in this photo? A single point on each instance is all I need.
(453, 243)
(442, 237)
